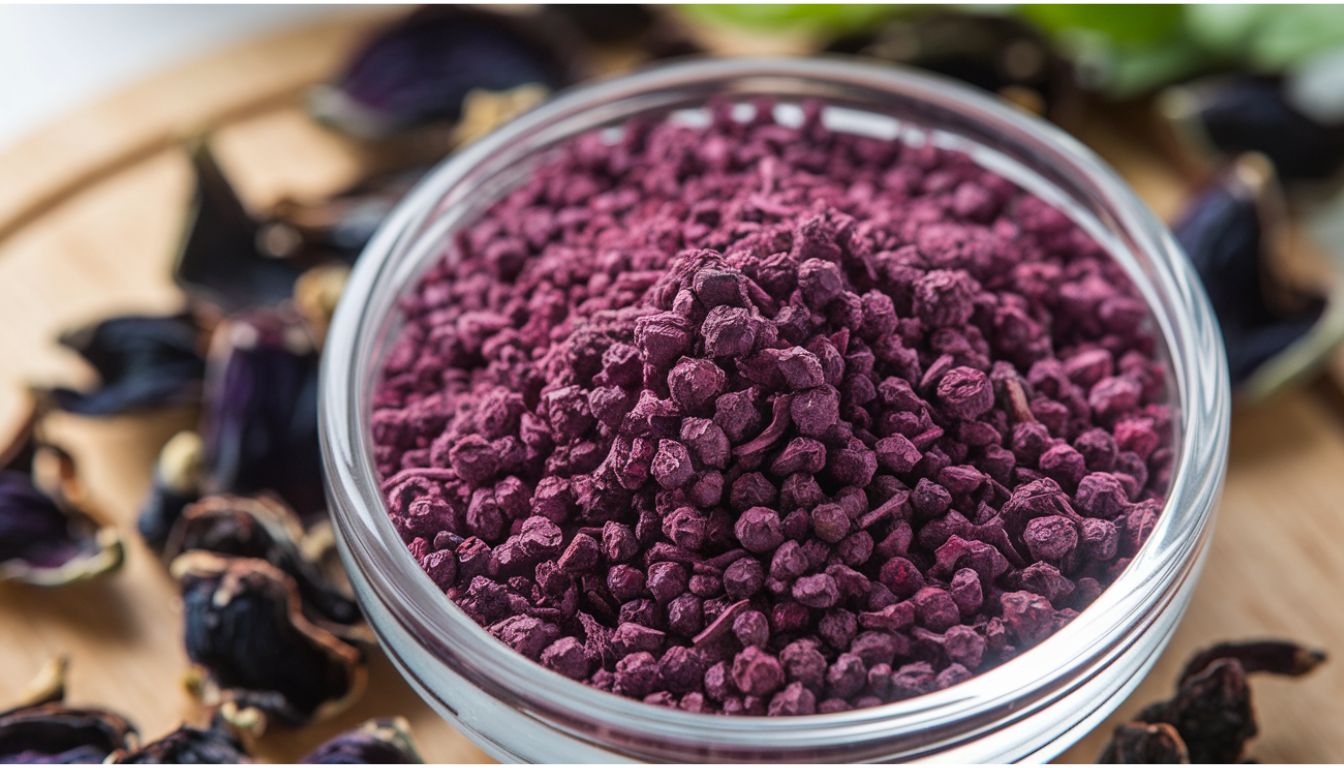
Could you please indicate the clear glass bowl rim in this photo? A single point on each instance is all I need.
(371, 544)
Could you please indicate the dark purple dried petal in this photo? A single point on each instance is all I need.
(142, 362)
(56, 734)
(41, 729)
(995, 52)
(260, 424)
(333, 227)
(218, 743)
(1255, 113)
(383, 741)
(220, 261)
(1229, 232)
(421, 68)
(50, 533)
(264, 529)
(251, 646)
(177, 483)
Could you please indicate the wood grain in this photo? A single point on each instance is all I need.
(1276, 562)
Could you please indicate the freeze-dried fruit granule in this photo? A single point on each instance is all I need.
(756, 419)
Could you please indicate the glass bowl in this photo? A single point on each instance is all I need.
(1029, 708)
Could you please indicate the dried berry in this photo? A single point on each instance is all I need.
(384, 741)
(1145, 744)
(1278, 657)
(253, 649)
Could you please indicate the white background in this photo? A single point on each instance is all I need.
(53, 58)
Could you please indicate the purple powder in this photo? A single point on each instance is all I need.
(755, 419)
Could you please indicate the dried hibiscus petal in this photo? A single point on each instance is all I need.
(252, 649)
(316, 295)
(383, 741)
(41, 729)
(142, 361)
(1145, 744)
(1210, 718)
(264, 529)
(1255, 113)
(177, 483)
(260, 423)
(217, 743)
(1278, 657)
(1229, 232)
(421, 69)
(50, 533)
(221, 260)
(337, 226)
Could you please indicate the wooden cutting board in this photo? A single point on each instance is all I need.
(89, 213)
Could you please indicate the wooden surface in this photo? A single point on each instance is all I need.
(1277, 559)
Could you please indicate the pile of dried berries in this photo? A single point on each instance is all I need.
(1210, 718)
(764, 419)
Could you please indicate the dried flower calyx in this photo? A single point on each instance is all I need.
(142, 362)
(1145, 744)
(1210, 718)
(227, 260)
(50, 532)
(1229, 115)
(260, 422)
(420, 71)
(384, 741)
(254, 652)
(264, 529)
(217, 743)
(42, 729)
(1273, 332)
(177, 483)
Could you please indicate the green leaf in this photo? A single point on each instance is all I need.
(1122, 26)
(813, 18)
(1225, 29)
(1126, 50)
(1268, 38)
(1140, 71)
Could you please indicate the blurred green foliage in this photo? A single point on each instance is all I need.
(822, 19)
(1123, 50)
(1268, 37)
